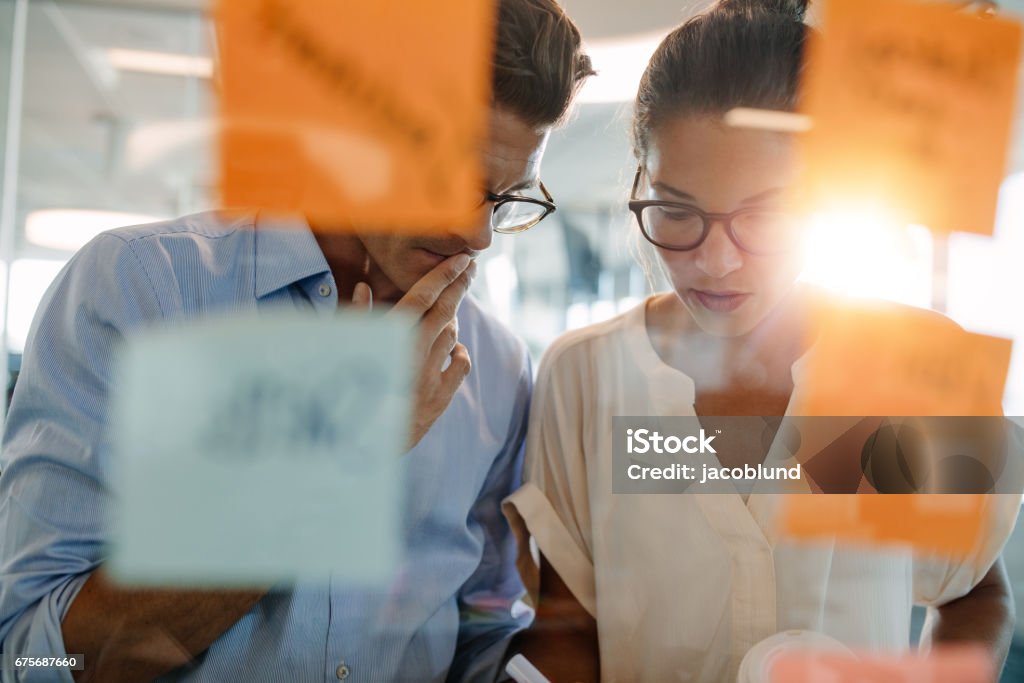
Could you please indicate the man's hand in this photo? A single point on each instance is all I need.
(135, 635)
(434, 301)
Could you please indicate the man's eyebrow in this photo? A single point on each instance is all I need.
(525, 185)
(668, 189)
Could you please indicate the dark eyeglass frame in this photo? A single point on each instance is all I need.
(637, 206)
(502, 199)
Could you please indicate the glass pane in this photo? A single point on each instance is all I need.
(985, 279)
(7, 27)
(115, 131)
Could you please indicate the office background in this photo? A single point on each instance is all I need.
(105, 120)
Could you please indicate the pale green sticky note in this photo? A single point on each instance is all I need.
(253, 449)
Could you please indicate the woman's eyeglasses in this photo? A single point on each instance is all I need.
(681, 227)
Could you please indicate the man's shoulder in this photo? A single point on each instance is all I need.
(491, 338)
(189, 262)
(189, 241)
(183, 248)
(208, 226)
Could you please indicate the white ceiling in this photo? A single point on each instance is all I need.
(79, 115)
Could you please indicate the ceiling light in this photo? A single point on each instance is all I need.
(164, 63)
(69, 229)
(764, 119)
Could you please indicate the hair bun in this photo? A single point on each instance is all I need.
(793, 8)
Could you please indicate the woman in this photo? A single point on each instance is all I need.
(681, 587)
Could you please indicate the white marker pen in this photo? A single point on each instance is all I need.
(521, 671)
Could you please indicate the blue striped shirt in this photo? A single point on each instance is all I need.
(454, 604)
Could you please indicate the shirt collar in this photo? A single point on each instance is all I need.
(286, 252)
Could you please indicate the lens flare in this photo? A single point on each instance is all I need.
(864, 252)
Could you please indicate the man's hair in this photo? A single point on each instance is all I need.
(539, 63)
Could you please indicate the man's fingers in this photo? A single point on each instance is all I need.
(442, 347)
(446, 307)
(457, 370)
(434, 300)
(424, 294)
(362, 297)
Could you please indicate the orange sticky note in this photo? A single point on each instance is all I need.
(899, 361)
(948, 524)
(953, 664)
(912, 108)
(365, 115)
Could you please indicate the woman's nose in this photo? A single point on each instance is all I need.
(718, 256)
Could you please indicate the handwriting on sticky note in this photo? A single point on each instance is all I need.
(898, 361)
(912, 108)
(263, 415)
(323, 117)
(949, 664)
(253, 449)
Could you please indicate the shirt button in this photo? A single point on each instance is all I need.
(325, 289)
(342, 671)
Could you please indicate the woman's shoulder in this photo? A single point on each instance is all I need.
(596, 341)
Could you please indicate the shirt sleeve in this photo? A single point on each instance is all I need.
(491, 609)
(941, 580)
(53, 457)
(553, 505)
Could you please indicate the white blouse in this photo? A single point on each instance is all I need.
(682, 586)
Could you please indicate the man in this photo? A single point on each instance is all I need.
(453, 606)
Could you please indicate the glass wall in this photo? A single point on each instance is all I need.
(116, 129)
(112, 124)
(11, 52)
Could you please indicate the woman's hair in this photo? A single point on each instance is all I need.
(739, 53)
(539, 62)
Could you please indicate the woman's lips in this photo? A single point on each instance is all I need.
(720, 302)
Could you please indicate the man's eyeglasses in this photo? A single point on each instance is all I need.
(514, 213)
(682, 227)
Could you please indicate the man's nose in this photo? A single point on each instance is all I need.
(477, 234)
(718, 256)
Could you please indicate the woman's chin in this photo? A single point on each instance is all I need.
(733, 324)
